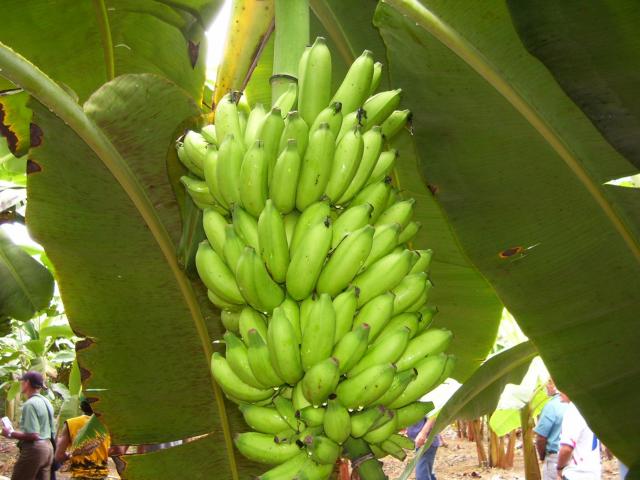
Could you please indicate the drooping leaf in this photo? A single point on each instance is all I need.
(591, 50)
(521, 173)
(25, 285)
(480, 393)
(119, 276)
(90, 435)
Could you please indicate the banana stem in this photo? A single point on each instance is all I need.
(291, 38)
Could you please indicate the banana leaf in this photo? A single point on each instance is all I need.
(521, 174)
(26, 286)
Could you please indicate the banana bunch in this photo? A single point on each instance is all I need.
(308, 258)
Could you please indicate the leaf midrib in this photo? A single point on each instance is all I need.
(21, 72)
(450, 38)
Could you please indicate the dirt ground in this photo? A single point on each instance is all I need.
(458, 460)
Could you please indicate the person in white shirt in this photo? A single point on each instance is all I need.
(579, 455)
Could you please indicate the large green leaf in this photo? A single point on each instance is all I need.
(521, 172)
(592, 50)
(466, 302)
(26, 286)
(103, 208)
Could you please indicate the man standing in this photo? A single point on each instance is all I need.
(89, 465)
(419, 432)
(548, 431)
(579, 456)
(36, 431)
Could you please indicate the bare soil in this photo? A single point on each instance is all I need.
(457, 460)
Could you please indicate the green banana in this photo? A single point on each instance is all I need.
(232, 385)
(246, 227)
(393, 449)
(314, 471)
(230, 320)
(290, 221)
(318, 332)
(283, 346)
(314, 81)
(408, 291)
(292, 312)
(423, 262)
(305, 311)
(345, 261)
(238, 360)
(350, 121)
(402, 441)
(380, 106)
(352, 219)
(284, 182)
(426, 317)
(287, 100)
(351, 347)
(216, 275)
(214, 228)
(355, 87)
(363, 421)
(400, 382)
(260, 361)
(209, 134)
(312, 215)
(332, 115)
(345, 305)
(383, 275)
(233, 248)
(253, 179)
(398, 120)
(366, 387)
(307, 260)
(372, 147)
(410, 320)
(296, 129)
(384, 165)
(399, 213)
(376, 313)
(270, 132)
(254, 122)
(219, 301)
(422, 299)
(192, 151)
(375, 195)
(336, 422)
(272, 238)
(409, 232)
(320, 381)
(385, 240)
(199, 192)
(298, 398)
(322, 450)
(226, 114)
(248, 320)
(430, 342)
(312, 416)
(255, 284)
(261, 447)
(429, 371)
(287, 412)
(287, 469)
(383, 432)
(346, 160)
(411, 413)
(316, 167)
(263, 419)
(394, 197)
(386, 351)
(229, 162)
(375, 78)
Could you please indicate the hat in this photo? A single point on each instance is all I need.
(34, 378)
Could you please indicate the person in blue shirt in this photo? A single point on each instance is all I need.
(548, 431)
(419, 433)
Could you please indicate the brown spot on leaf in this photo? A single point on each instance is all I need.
(84, 343)
(33, 167)
(433, 189)
(36, 135)
(84, 373)
(194, 51)
(510, 252)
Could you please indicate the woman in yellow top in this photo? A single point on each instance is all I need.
(84, 466)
